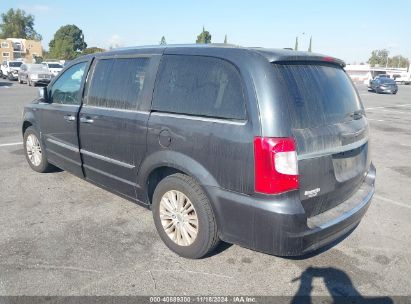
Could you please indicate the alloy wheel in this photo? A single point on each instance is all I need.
(178, 218)
(33, 149)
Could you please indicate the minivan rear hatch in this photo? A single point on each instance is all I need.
(330, 129)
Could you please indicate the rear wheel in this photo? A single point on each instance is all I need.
(34, 151)
(183, 217)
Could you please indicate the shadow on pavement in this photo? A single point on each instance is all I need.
(339, 286)
(5, 84)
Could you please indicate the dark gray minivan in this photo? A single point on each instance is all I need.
(264, 148)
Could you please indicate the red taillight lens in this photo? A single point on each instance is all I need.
(275, 165)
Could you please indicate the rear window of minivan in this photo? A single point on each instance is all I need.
(318, 94)
(200, 86)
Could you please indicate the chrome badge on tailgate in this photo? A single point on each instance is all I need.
(312, 193)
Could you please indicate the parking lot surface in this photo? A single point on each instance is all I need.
(63, 236)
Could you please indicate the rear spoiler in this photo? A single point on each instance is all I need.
(287, 56)
(327, 59)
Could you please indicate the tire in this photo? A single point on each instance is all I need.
(39, 161)
(193, 246)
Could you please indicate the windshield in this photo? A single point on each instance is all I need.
(55, 66)
(15, 64)
(318, 94)
(38, 68)
(387, 80)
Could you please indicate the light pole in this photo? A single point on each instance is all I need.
(388, 53)
(302, 34)
(386, 62)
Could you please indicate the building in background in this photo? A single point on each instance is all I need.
(20, 49)
(363, 73)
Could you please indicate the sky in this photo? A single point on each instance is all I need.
(345, 29)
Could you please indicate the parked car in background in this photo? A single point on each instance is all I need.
(53, 67)
(403, 78)
(258, 147)
(382, 76)
(378, 77)
(10, 69)
(384, 85)
(34, 74)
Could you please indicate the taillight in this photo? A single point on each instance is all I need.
(275, 165)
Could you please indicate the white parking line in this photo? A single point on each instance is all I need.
(392, 201)
(11, 144)
(390, 106)
(380, 120)
(394, 111)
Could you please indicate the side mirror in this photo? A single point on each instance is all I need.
(42, 93)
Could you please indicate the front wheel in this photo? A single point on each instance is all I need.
(183, 217)
(34, 151)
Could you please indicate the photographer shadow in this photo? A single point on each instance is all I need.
(338, 284)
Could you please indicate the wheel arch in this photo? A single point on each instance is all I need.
(26, 125)
(29, 120)
(164, 163)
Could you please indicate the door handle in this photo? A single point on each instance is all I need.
(69, 117)
(86, 120)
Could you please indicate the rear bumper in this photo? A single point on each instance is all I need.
(279, 225)
(388, 91)
(41, 81)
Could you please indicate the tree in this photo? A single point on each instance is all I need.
(381, 58)
(225, 39)
(16, 24)
(378, 57)
(163, 41)
(310, 45)
(204, 37)
(398, 62)
(296, 44)
(68, 42)
(92, 50)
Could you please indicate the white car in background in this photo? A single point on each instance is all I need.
(10, 69)
(402, 78)
(53, 67)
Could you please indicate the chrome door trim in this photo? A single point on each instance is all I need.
(200, 118)
(107, 159)
(67, 146)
